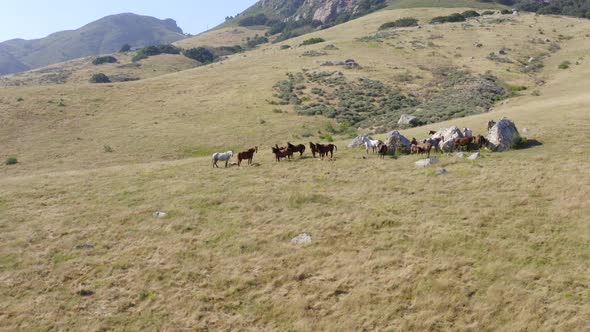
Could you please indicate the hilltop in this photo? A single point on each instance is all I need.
(106, 35)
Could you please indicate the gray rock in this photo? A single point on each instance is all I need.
(503, 135)
(302, 238)
(473, 156)
(160, 214)
(407, 120)
(358, 141)
(448, 135)
(394, 139)
(84, 246)
(426, 162)
(441, 171)
(460, 155)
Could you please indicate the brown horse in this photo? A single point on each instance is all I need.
(314, 149)
(383, 151)
(247, 155)
(324, 149)
(432, 132)
(463, 142)
(481, 141)
(297, 148)
(282, 153)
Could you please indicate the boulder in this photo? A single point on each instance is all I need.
(358, 141)
(460, 155)
(302, 238)
(160, 214)
(503, 135)
(447, 135)
(407, 120)
(426, 162)
(441, 171)
(473, 156)
(394, 139)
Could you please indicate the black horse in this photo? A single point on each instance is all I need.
(296, 148)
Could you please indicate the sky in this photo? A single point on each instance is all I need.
(31, 19)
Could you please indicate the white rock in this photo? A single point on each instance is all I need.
(160, 214)
(473, 156)
(302, 238)
(503, 135)
(426, 162)
(460, 155)
(394, 139)
(441, 171)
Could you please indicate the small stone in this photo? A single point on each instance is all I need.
(473, 156)
(84, 246)
(160, 214)
(426, 162)
(85, 292)
(441, 171)
(460, 155)
(302, 238)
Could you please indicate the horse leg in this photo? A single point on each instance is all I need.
(226, 162)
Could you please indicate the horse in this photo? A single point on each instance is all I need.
(432, 132)
(314, 149)
(467, 132)
(324, 149)
(226, 156)
(435, 142)
(383, 151)
(373, 144)
(247, 155)
(491, 124)
(463, 142)
(282, 153)
(297, 148)
(481, 141)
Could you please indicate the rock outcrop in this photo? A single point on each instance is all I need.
(503, 135)
(394, 139)
(448, 135)
(406, 120)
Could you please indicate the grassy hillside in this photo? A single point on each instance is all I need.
(495, 244)
(106, 35)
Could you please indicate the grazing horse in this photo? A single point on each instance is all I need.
(423, 147)
(324, 149)
(432, 132)
(373, 144)
(282, 153)
(226, 156)
(463, 142)
(383, 151)
(491, 124)
(314, 149)
(481, 141)
(435, 142)
(247, 155)
(296, 148)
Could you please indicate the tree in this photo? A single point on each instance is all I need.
(125, 48)
(100, 78)
(201, 54)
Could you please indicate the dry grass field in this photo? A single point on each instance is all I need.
(500, 243)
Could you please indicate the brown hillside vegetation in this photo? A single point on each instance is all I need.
(496, 244)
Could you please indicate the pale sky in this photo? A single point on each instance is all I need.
(30, 19)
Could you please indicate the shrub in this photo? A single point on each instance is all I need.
(312, 41)
(401, 23)
(505, 12)
(19, 99)
(487, 12)
(152, 50)
(104, 59)
(285, 47)
(125, 48)
(470, 13)
(564, 65)
(107, 148)
(100, 78)
(448, 19)
(201, 54)
(259, 19)
(11, 161)
(255, 41)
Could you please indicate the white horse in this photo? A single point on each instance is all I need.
(226, 156)
(467, 132)
(374, 144)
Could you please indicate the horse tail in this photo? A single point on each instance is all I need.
(335, 147)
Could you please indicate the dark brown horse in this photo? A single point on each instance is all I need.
(247, 155)
(481, 141)
(296, 148)
(314, 149)
(324, 149)
(463, 142)
(282, 153)
(383, 151)
(432, 132)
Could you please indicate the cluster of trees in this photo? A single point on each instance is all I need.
(401, 23)
(577, 8)
(462, 17)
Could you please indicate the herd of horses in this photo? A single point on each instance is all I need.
(322, 150)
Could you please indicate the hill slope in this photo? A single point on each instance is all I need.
(106, 35)
(499, 243)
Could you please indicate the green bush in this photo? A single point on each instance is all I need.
(564, 65)
(11, 161)
(487, 12)
(107, 148)
(312, 41)
(259, 19)
(285, 47)
(505, 12)
(401, 23)
(104, 59)
(100, 78)
(255, 41)
(201, 54)
(470, 13)
(456, 17)
(19, 99)
(152, 50)
(125, 48)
